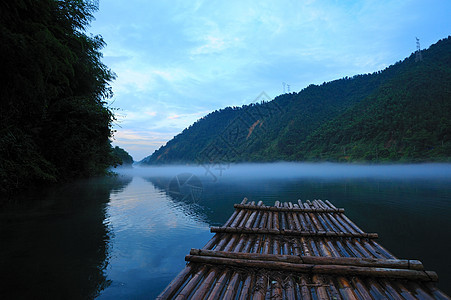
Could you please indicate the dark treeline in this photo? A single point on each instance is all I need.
(123, 156)
(397, 114)
(55, 124)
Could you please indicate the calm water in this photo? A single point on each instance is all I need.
(126, 237)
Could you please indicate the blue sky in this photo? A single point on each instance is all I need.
(176, 61)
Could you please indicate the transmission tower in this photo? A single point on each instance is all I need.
(418, 56)
(288, 88)
(283, 84)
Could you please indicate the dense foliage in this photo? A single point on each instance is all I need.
(398, 114)
(122, 156)
(54, 121)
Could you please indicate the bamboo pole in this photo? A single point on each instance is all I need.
(438, 294)
(297, 224)
(355, 227)
(240, 243)
(246, 216)
(315, 260)
(371, 249)
(321, 291)
(260, 288)
(192, 283)
(314, 248)
(342, 249)
(276, 246)
(247, 285)
(230, 220)
(292, 232)
(286, 209)
(175, 284)
(266, 244)
(289, 288)
(319, 269)
(375, 289)
(257, 245)
(263, 220)
(382, 250)
(206, 285)
(251, 219)
(308, 222)
(283, 220)
(294, 217)
(238, 218)
(231, 287)
(286, 222)
(249, 243)
(303, 221)
(223, 242)
(333, 223)
(330, 204)
(304, 288)
(405, 293)
(345, 288)
(212, 242)
(390, 290)
(360, 288)
(334, 252)
(276, 289)
(334, 293)
(419, 292)
(352, 249)
(362, 249)
(325, 251)
(230, 245)
(305, 247)
(270, 221)
(219, 286)
(347, 226)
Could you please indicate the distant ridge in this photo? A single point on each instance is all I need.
(399, 114)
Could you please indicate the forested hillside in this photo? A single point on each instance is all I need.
(397, 114)
(54, 120)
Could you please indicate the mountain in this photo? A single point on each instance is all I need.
(399, 114)
(122, 156)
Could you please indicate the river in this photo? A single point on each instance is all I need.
(125, 237)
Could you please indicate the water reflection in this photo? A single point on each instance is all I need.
(185, 191)
(126, 237)
(55, 244)
(151, 234)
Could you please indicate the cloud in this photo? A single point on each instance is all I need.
(177, 61)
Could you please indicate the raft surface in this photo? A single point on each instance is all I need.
(307, 250)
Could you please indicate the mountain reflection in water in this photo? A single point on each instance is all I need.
(125, 237)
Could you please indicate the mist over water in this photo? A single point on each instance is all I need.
(282, 170)
(408, 205)
(125, 237)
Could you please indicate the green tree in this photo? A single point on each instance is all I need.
(122, 156)
(54, 120)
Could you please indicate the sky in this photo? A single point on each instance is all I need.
(177, 61)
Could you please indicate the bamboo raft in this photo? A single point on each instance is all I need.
(307, 250)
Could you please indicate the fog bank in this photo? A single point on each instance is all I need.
(281, 170)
